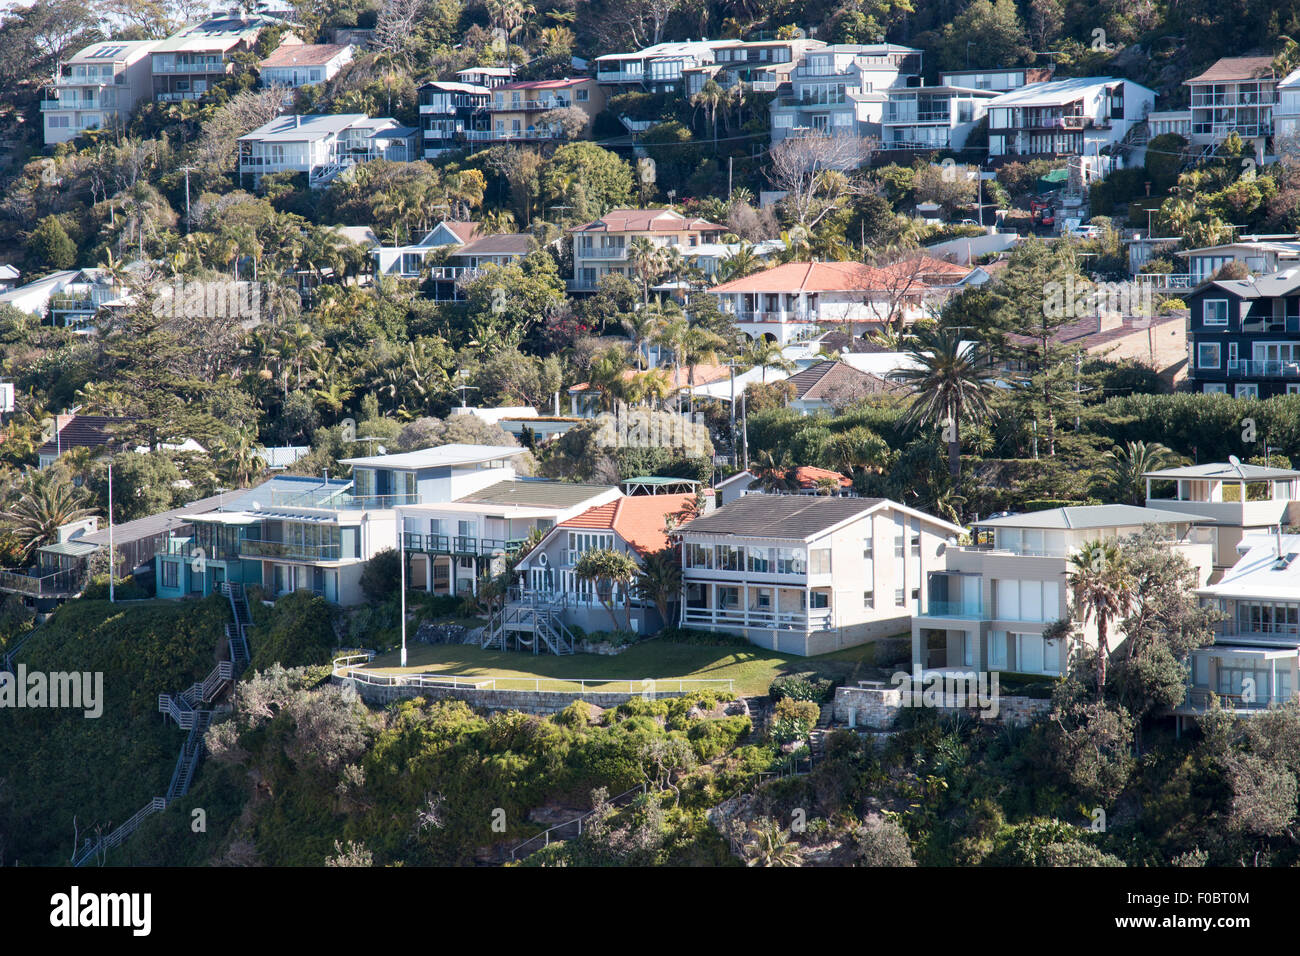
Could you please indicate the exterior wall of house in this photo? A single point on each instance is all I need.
(1243, 347)
(868, 589)
(598, 254)
(99, 99)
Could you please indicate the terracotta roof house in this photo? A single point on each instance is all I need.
(600, 248)
(551, 597)
(790, 302)
(516, 109)
(808, 479)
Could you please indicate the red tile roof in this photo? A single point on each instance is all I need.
(648, 220)
(832, 277)
(638, 519)
(304, 54)
(544, 84)
(809, 475)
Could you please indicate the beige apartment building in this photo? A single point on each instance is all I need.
(600, 248)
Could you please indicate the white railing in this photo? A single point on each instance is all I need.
(765, 620)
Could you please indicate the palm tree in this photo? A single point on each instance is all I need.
(1104, 588)
(660, 581)
(771, 846)
(605, 570)
(646, 260)
(1125, 467)
(698, 345)
(46, 501)
(950, 384)
(765, 354)
(740, 263)
(775, 474)
(710, 97)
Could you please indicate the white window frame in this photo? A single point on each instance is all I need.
(1201, 348)
(1217, 320)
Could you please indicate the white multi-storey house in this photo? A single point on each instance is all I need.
(1084, 119)
(807, 575)
(842, 89)
(323, 145)
(989, 607)
(1235, 95)
(931, 117)
(600, 247)
(657, 68)
(97, 88)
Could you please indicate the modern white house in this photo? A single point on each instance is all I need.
(931, 117)
(999, 80)
(97, 87)
(762, 65)
(1252, 664)
(659, 67)
(843, 89)
(809, 574)
(323, 145)
(1083, 118)
(318, 534)
(988, 608)
(407, 260)
(303, 64)
(1236, 500)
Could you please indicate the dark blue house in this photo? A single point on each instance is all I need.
(1243, 336)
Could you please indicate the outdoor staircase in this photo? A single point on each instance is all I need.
(191, 709)
(531, 625)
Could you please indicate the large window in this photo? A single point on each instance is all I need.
(730, 558)
(170, 574)
(699, 556)
(1207, 355)
(1215, 312)
(819, 561)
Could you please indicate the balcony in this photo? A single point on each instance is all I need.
(598, 252)
(1198, 700)
(960, 610)
(636, 75)
(509, 135)
(457, 544)
(42, 582)
(191, 66)
(1263, 368)
(334, 499)
(818, 619)
(254, 548)
(1162, 281)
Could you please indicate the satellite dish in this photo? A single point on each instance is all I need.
(381, 449)
(256, 506)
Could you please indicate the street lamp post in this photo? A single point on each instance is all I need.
(401, 559)
(112, 558)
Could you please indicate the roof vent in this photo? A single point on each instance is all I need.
(1282, 563)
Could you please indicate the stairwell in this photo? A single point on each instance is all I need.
(191, 710)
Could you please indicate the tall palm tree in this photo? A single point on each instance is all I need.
(699, 345)
(646, 260)
(1125, 467)
(1104, 588)
(741, 263)
(765, 354)
(710, 98)
(46, 500)
(950, 384)
(775, 473)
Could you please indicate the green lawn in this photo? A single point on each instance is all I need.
(752, 669)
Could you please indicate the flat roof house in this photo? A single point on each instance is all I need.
(517, 108)
(448, 110)
(97, 87)
(808, 575)
(657, 68)
(842, 89)
(1237, 500)
(987, 609)
(1252, 664)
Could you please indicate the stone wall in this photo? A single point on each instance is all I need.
(529, 702)
(878, 706)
